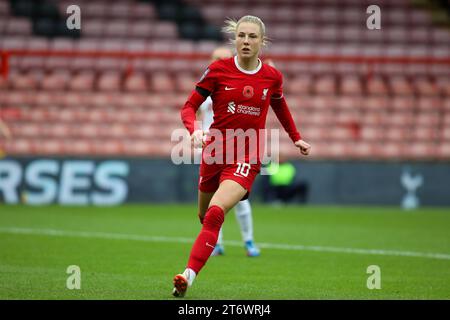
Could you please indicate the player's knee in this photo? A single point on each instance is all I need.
(201, 217)
(214, 218)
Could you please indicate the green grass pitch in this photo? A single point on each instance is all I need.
(308, 252)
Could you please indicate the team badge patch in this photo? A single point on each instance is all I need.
(264, 96)
(248, 91)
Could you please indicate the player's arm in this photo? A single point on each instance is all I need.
(283, 114)
(188, 114)
(279, 106)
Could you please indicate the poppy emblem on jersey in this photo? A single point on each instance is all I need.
(248, 91)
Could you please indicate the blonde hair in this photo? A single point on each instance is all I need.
(231, 26)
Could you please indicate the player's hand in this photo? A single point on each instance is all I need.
(198, 139)
(303, 146)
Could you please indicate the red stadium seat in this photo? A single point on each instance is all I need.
(144, 11)
(299, 85)
(136, 82)
(83, 81)
(161, 82)
(426, 133)
(185, 82)
(93, 28)
(58, 80)
(78, 147)
(400, 86)
(325, 84)
(430, 119)
(142, 29)
(25, 81)
(120, 10)
(19, 27)
(429, 104)
(425, 87)
(445, 134)
(443, 84)
(18, 146)
(116, 29)
(372, 133)
(109, 81)
(403, 103)
(14, 42)
(443, 151)
(48, 147)
(165, 30)
(351, 85)
(95, 9)
(376, 85)
(420, 150)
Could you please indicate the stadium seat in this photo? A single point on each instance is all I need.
(299, 85)
(351, 85)
(82, 81)
(161, 82)
(424, 86)
(136, 83)
(325, 84)
(376, 85)
(116, 29)
(18, 27)
(109, 81)
(57, 80)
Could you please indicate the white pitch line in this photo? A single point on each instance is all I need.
(121, 236)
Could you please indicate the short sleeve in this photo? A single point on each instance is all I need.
(209, 78)
(278, 89)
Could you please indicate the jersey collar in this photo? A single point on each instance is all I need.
(247, 71)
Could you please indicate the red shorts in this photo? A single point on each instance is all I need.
(211, 175)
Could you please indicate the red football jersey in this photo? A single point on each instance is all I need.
(241, 100)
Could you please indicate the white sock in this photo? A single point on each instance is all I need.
(220, 238)
(243, 212)
(190, 275)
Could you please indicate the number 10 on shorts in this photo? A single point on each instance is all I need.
(243, 169)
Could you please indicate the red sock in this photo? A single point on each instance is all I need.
(207, 238)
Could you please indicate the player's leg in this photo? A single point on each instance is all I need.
(226, 197)
(244, 217)
(219, 249)
(204, 198)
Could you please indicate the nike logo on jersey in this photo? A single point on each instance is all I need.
(209, 245)
(226, 88)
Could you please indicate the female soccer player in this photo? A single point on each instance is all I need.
(243, 209)
(241, 88)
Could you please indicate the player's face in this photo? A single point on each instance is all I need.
(248, 40)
